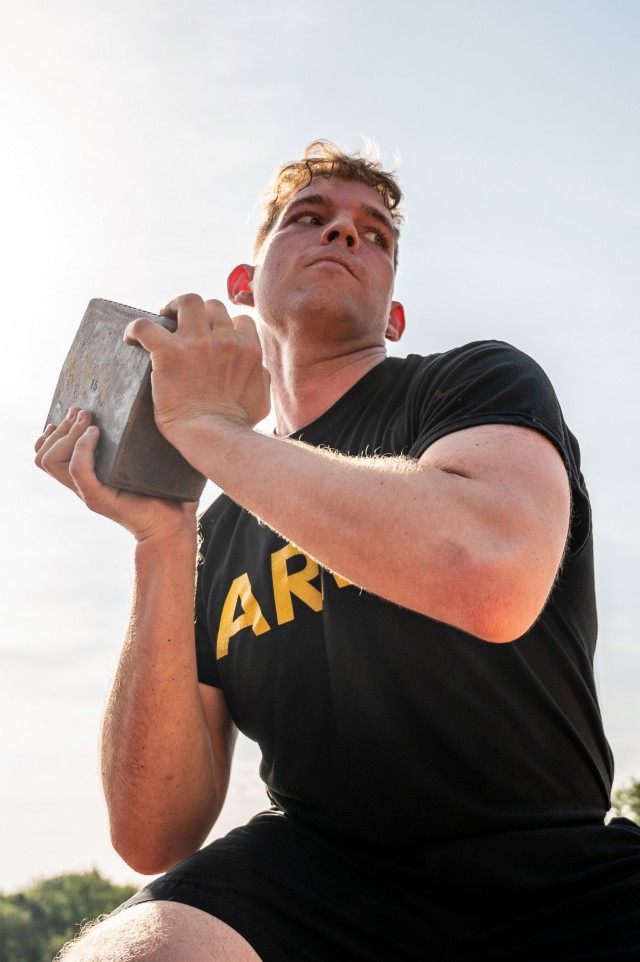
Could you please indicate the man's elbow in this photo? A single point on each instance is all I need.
(511, 603)
(142, 858)
(149, 853)
(504, 632)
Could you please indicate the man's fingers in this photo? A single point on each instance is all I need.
(145, 332)
(55, 449)
(82, 464)
(245, 327)
(189, 310)
(70, 458)
(218, 316)
(48, 431)
(181, 303)
(54, 433)
(193, 315)
(192, 312)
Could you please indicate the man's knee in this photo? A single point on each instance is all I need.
(158, 932)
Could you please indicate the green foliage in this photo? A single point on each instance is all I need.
(626, 801)
(36, 923)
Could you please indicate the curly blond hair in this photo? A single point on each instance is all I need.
(322, 158)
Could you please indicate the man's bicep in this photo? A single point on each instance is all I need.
(520, 484)
(509, 458)
(480, 451)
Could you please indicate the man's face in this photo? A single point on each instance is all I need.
(328, 262)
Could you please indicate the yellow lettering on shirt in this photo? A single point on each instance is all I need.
(285, 585)
(240, 591)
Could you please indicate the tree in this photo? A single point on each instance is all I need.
(18, 941)
(36, 923)
(625, 801)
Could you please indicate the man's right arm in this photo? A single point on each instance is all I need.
(167, 741)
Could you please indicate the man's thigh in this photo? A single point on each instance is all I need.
(159, 932)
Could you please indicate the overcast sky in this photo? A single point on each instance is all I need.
(137, 138)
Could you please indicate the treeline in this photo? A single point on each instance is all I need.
(36, 923)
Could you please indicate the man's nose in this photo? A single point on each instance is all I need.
(341, 230)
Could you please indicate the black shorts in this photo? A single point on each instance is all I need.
(552, 895)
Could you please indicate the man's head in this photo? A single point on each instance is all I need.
(326, 252)
(324, 159)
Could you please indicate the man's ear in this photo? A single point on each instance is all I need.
(395, 325)
(239, 284)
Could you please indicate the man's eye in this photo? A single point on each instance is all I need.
(376, 236)
(308, 219)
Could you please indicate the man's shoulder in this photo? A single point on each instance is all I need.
(481, 351)
(474, 361)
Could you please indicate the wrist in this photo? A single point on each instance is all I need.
(203, 439)
(177, 539)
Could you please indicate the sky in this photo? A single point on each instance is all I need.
(137, 139)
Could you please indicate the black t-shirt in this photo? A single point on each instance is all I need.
(379, 724)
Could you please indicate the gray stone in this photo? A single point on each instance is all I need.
(113, 380)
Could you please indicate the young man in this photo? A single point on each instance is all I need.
(395, 599)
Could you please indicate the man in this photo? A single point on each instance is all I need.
(395, 599)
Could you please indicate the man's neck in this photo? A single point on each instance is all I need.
(304, 385)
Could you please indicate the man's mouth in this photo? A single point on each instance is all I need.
(332, 259)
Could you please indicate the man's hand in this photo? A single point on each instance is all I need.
(209, 368)
(67, 453)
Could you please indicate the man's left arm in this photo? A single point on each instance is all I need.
(472, 534)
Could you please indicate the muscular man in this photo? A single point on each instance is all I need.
(394, 598)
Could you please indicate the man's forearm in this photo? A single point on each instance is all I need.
(157, 759)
